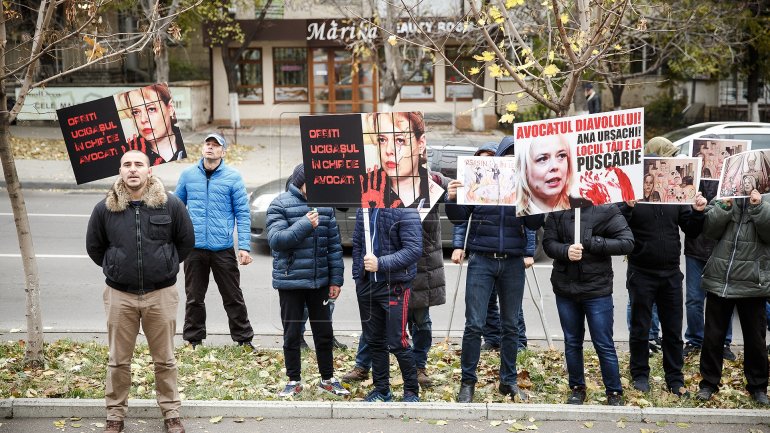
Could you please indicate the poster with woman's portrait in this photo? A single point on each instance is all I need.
(578, 161)
(97, 133)
(745, 172)
(713, 152)
(486, 181)
(671, 180)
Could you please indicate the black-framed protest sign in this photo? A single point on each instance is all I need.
(97, 133)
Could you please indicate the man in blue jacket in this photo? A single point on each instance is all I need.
(216, 200)
(384, 273)
(496, 247)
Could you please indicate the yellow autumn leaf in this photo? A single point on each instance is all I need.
(216, 420)
(524, 52)
(482, 22)
(617, 47)
(551, 70)
(474, 71)
(392, 40)
(512, 3)
(506, 118)
(495, 71)
(564, 18)
(494, 12)
(588, 424)
(512, 107)
(551, 55)
(595, 52)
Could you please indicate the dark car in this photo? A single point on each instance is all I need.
(441, 158)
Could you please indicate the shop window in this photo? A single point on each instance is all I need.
(249, 71)
(290, 74)
(417, 69)
(455, 87)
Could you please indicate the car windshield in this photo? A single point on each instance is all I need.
(684, 132)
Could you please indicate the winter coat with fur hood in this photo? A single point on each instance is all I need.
(139, 247)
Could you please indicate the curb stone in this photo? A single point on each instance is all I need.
(146, 408)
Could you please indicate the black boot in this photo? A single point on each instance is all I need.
(466, 392)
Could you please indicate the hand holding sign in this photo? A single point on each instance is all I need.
(755, 198)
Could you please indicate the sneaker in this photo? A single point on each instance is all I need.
(679, 391)
(195, 343)
(357, 374)
(487, 346)
(423, 379)
(467, 390)
(247, 345)
(336, 344)
(513, 391)
(410, 397)
(614, 399)
(728, 354)
(113, 426)
(690, 348)
(333, 386)
(173, 425)
(642, 384)
(578, 395)
(704, 394)
(291, 389)
(303, 344)
(760, 397)
(375, 396)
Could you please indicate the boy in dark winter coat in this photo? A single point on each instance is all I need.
(307, 270)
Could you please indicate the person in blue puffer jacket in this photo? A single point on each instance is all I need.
(307, 270)
(384, 273)
(497, 243)
(216, 200)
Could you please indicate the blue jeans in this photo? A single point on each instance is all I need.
(492, 329)
(485, 273)
(654, 325)
(599, 314)
(695, 299)
(419, 328)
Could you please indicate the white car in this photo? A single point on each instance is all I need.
(758, 133)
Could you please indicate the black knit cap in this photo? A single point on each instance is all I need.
(298, 177)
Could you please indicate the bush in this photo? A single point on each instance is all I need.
(665, 111)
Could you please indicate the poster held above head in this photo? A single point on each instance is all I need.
(745, 172)
(578, 161)
(713, 152)
(672, 180)
(97, 133)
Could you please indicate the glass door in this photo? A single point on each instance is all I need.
(340, 84)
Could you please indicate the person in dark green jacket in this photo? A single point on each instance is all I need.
(737, 276)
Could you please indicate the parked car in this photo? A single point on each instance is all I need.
(758, 133)
(442, 158)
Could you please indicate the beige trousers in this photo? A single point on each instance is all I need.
(156, 311)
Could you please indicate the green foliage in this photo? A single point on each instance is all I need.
(665, 111)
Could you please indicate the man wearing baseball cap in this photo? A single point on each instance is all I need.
(216, 200)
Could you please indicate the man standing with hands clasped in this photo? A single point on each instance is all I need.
(138, 234)
(216, 199)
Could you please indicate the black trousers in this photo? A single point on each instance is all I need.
(292, 316)
(719, 312)
(644, 289)
(384, 310)
(224, 266)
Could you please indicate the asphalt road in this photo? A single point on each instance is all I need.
(71, 284)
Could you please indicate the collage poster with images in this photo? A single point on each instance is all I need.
(370, 160)
(713, 152)
(671, 180)
(745, 172)
(578, 161)
(486, 180)
(97, 133)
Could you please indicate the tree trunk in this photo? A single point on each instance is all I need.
(161, 64)
(617, 94)
(752, 84)
(33, 355)
(477, 113)
(232, 86)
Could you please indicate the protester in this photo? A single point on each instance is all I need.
(154, 118)
(593, 100)
(582, 282)
(654, 278)
(138, 234)
(307, 272)
(496, 246)
(735, 276)
(428, 290)
(384, 278)
(697, 251)
(217, 201)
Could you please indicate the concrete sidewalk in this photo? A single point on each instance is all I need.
(271, 157)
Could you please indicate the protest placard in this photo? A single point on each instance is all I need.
(713, 152)
(671, 180)
(745, 172)
(578, 161)
(486, 180)
(371, 160)
(97, 133)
